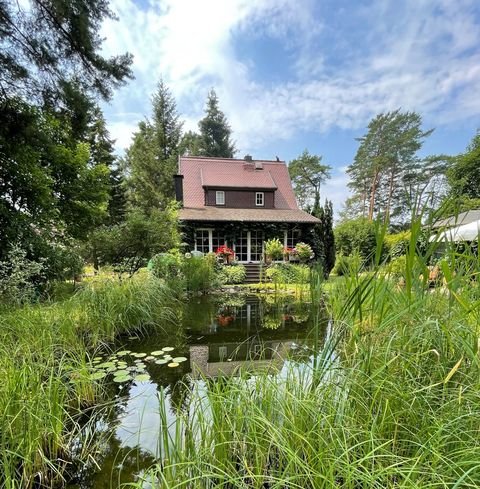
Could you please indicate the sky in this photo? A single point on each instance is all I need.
(302, 74)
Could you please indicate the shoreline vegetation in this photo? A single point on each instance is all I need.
(45, 363)
(391, 399)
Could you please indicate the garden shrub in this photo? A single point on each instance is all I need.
(166, 265)
(304, 252)
(397, 244)
(199, 273)
(356, 235)
(288, 273)
(344, 265)
(233, 274)
(274, 249)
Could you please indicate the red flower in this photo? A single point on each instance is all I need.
(224, 250)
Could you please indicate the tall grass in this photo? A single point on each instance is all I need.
(393, 400)
(45, 385)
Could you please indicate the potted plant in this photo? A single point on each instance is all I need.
(226, 253)
(273, 249)
(304, 252)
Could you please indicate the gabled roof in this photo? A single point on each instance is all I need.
(223, 172)
(462, 219)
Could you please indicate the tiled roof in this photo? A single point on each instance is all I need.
(234, 172)
(211, 213)
(237, 177)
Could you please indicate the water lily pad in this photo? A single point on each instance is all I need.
(173, 364)
(139, 355)
(161, 361)
(122, 364)
(157, 353)
(97, 375)
(168, 348)
(111, 369)
(150, 358)
(131, 369)
(123, 353)
(142, 377)
(121, 373)
(179, 359)
(121, 379)
(105, 365)
(167, 357)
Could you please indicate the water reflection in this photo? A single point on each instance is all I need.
(219, 335)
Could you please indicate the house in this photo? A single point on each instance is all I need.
(239, 203)
(465, 227)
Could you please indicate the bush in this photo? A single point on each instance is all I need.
(344, 265)
(274, 249)
(304, 252)
(166, 265)
(288, 273)
(356, 235)
(199, 273)
(19, 277)
(233, 274)
(397, 244)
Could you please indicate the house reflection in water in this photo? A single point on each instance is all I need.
(250, 333)
(228, 358)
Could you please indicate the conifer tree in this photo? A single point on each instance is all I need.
(151, 160)
(215, 132)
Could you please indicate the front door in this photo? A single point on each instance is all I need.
(249, 246)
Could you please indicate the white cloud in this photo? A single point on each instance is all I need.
(420, 55)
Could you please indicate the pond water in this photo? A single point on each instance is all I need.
(216, 336)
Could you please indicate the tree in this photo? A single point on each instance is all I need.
(51, 51)
(464, 175)
(307, 174)
(322, 236)
(51, 72)
(151, 160)
(190, 144)
(386, 161)
(215, 132)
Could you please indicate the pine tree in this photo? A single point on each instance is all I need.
(215, 132)
(151, 160)
(386, 162)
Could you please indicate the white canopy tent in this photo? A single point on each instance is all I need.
(466, 232)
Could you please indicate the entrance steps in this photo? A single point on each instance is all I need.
(253, 273)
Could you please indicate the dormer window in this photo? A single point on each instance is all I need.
(259, 199)
(220, 197)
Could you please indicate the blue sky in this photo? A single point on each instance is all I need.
(296, 74)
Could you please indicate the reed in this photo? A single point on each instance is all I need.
(45, 353)
(392, 400)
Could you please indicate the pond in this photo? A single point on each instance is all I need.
(217, 335)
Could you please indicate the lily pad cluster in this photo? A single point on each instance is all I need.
(127, 365)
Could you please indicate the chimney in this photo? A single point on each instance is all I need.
(178, 179)
(248, 158)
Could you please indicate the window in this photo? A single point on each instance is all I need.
(217, 240)
(220, 197)
(259, 198)
(292, 237)
(202, 240)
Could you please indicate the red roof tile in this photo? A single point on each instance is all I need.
(199, 171)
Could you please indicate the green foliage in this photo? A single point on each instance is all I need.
(274, 249)
(322, 237)
(304, 252)
(199, 273)
(215, 132)
(307, 174)
(397, 244)
(129, 245)
(396, 267)
(356, 235)
(387, 174)
(18, 276)
(464, 174)
(47, 393)
(288, 273)
(346, 265)
(151, 160)
(167, 266)
(233, 274)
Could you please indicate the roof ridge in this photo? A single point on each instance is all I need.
(233, 160)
